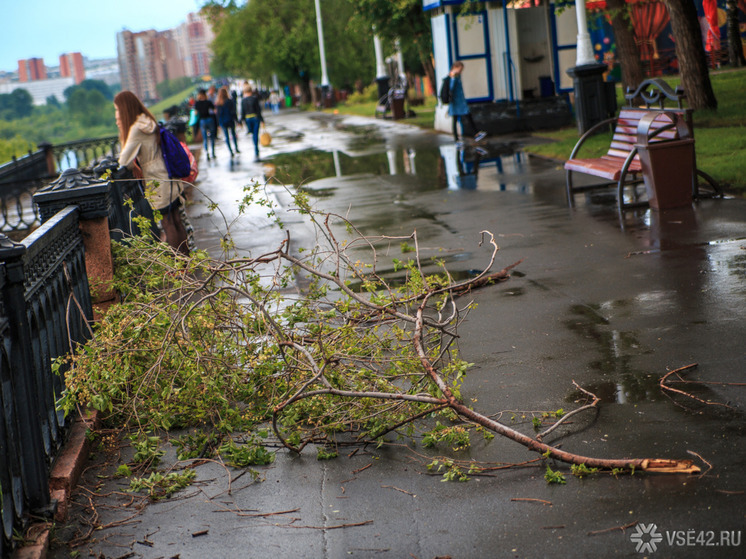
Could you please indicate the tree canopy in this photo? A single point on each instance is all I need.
(91, 85)
(286, 41)
(17, 104)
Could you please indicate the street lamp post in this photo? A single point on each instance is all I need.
(382, 77)
(594, 99)
(584, 53)
(322, 54)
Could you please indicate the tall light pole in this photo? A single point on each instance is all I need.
(594, 99)
(584, 53)
(382, 77)
(322, 52)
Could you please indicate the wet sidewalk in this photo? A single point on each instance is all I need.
(609, 301)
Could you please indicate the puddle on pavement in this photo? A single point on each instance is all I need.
(615, 350)
(429, 167)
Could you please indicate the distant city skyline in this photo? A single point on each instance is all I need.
(44, 29)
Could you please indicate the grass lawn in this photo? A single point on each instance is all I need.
(424, 114)
(176, 99)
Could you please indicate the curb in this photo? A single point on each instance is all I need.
(62, 480)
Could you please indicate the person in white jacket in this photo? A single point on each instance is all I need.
(141, 151)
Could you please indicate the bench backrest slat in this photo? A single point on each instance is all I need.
(625, 132)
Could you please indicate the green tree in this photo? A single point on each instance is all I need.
(91, 85)
(279, 36)
(404, 20)
(15, 105)
(88, 107)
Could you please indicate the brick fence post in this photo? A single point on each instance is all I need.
(91, 195)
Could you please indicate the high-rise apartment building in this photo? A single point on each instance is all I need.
(31, 70)
(71, 65)
(147, 58)
(195, 36)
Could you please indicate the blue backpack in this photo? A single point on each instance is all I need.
(176, 159)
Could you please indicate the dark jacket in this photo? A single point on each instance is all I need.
(205, 109)
(227, 113)
(251, 106)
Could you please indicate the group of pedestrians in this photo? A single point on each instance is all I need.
(215, 108)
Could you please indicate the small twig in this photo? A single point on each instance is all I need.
(402, 490)
(542, 501)
(200, 533)
(593, 404)
(664, 386)
(620, 528)
(709, 466)
(361, 469)
(335, 527)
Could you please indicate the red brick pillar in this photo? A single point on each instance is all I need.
(91, 195)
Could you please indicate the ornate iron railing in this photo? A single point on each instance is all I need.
(39, 278)
(83, 153)
(20, 178)
(43, 284)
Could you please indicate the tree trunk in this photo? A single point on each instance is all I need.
(626, 47)
(690, 52)
(735, 47)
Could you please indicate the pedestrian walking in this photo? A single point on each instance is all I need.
(140, 139)
(207, 121)
(274, 101)
(251, 114)
(458, 108)
(227, 117)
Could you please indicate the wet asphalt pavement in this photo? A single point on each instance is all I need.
(611, 302)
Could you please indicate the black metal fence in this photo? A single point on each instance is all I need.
(45, 310)
(21, 177)
(40, 277)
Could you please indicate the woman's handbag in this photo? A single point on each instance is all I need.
(265, 138)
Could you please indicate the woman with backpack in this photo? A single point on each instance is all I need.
(227, 117)
(140, 138)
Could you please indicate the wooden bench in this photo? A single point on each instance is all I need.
(621, 166)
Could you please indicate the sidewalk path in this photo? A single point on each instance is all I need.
(612, 303)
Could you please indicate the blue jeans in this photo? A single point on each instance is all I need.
(207, 126)
(232, 128)
(252, 127)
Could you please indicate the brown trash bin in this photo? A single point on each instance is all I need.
(667, 160)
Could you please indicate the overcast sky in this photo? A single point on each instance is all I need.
(47, 28)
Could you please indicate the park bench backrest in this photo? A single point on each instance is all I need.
(625, 132)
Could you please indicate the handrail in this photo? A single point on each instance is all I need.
(21, 177)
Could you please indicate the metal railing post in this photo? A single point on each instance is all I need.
(25, 420)
(92, 196)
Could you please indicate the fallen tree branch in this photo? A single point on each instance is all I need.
(666, 387)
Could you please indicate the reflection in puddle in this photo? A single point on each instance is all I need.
(615, 351)
(426, 168)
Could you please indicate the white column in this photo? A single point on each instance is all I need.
(322, 53)
(400, 61)
(380, 62)
(584, 54)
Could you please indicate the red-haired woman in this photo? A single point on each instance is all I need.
(141, 145)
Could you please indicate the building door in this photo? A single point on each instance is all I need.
(471, 46)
